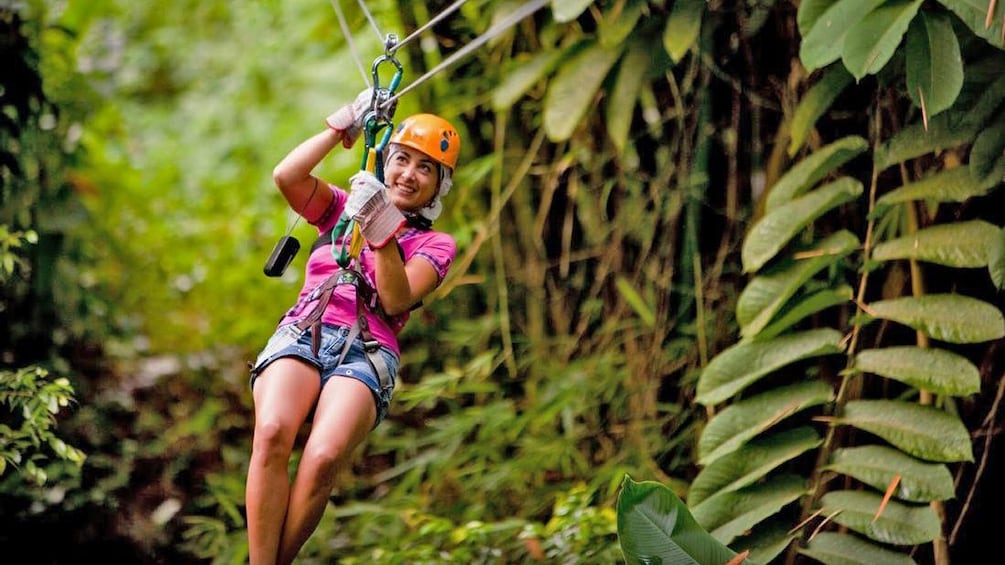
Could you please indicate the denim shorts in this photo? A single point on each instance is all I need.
(287, 341)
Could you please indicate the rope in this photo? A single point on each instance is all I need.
(348, 38)
(510, 20)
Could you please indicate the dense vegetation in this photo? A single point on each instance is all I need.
(750, 251)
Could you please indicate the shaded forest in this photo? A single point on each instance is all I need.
(751, 251)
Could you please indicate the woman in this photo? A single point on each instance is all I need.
(324, 362)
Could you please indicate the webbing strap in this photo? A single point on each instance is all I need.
(361, 327)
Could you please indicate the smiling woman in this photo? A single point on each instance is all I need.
(334, 357)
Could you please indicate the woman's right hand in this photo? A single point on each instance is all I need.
(348, 120)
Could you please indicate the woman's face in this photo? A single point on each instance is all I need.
(412, 177)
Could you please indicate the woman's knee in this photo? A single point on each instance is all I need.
(273, 438)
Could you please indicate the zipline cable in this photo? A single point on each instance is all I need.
(510, 20)
(348, 39)
(446, 12)
(369, 16)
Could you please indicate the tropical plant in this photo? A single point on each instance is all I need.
(875, 336)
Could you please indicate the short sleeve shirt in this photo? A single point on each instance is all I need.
(437, 248)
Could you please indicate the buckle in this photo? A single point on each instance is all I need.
(371, 345)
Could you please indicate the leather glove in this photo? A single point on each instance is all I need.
(348, 120)
(378, 218)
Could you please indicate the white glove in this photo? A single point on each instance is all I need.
(348, 120)
(378, 218)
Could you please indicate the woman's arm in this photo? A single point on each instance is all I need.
(293, 175)
(401, 285)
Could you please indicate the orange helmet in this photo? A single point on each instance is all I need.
(432, 135)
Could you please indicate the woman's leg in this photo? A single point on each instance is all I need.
(344, 416)
(284, 394)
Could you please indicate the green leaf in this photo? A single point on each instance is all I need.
(948, 317)
(823, 43)
(655, 526)
(751, 462)
(870, 44)
(617, 26)
(625, 94)
(815, 103)
(738, 423)
(948, 129)
(974, 14)
(878, 466)
(774, 230)
(743, 364)
(567, 10)
(832, 548)
(808, 12)
(898, 524)
(683, 27)
(996, 261)
(574, 89)
(804, 307)
(767, 293)
(960, 244)
(989, 151)
(767, 540)
(805, 174)
(633, 298)
(953, 185)
(524, 72)
(728, 515)
(934, 63)
(931, 369)
(922, 431)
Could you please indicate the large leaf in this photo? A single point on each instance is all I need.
(805, 174)
(898, 524)
(573, 90)
(878, 466)
(815, 103)
(767, 540)
(922, 431)
(948, 129)
(655, 526)
(743, 364)
(931, 369)
(822, 44)
(767, 293)
(832, 548)
(804, 307)
(567, 10)
(958, 184)
(625, 93)
(934, 62)
(683, 27)
(525, 72)
(989, 151)
(996, 260)
(618, 25)
(870, 44)
(740, 422)
(959, 244)
(948, 317)
(974, 14)
(774, 230)
(751, 462)
(808, 12)
(728, 515)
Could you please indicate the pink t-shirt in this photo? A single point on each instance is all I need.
(438, 248)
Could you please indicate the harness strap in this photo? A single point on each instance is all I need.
(365, 298)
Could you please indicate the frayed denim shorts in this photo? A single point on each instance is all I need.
(288, 341)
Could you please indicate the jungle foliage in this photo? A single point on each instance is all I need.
(750, 254)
